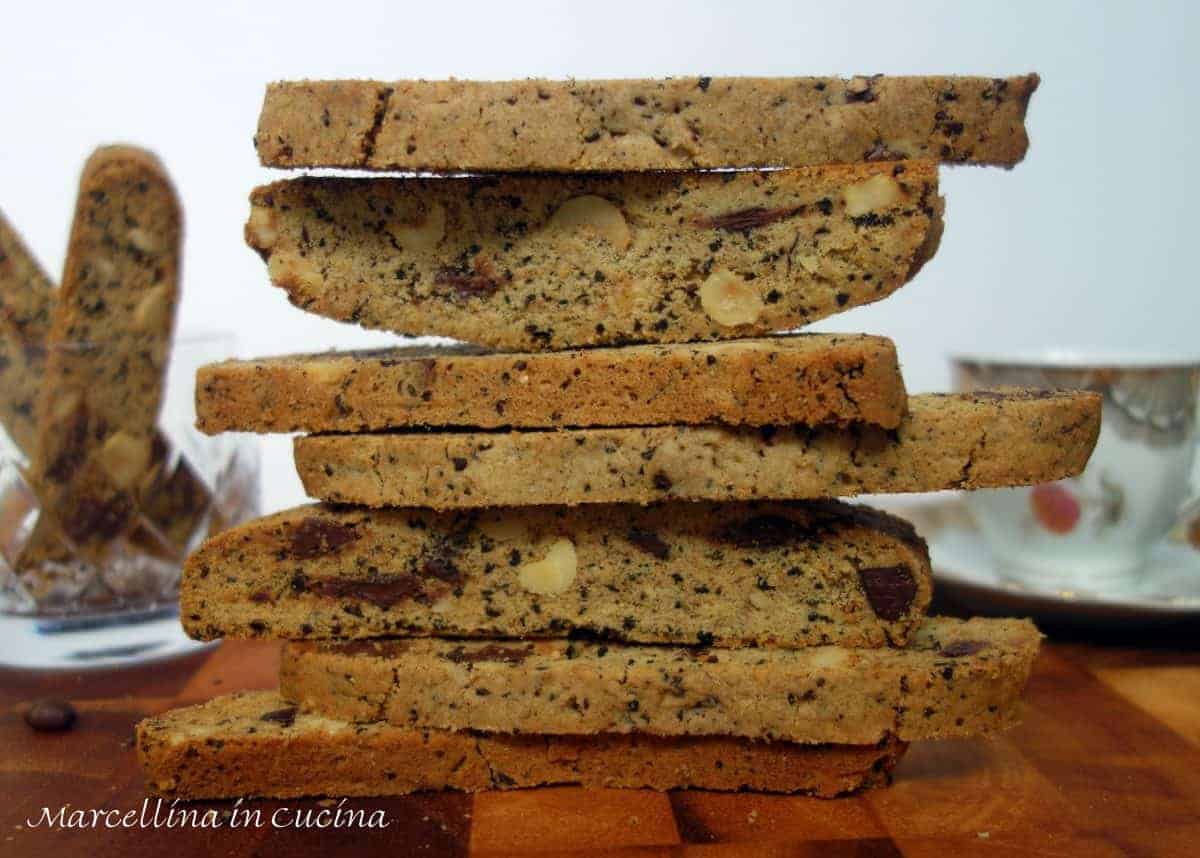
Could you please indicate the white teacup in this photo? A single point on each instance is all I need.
(1094, 532)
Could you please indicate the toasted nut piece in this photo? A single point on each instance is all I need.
(324, 375)
(262, 230)
(66, 406)
(595, 213)
(877, 192)
(428, 235)
(503, 529)
(552, 574)
(151, 312)
(729, 300)
(124, 457)
(144, 241)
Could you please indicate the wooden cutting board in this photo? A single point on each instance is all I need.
(1107, 762)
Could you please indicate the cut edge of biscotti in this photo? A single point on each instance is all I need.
(633, 125)
(809, 379)
(980, 439)
(256, 744)
(784, 574)
(956, 678)
(545, 263)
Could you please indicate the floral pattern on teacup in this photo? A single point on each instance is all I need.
(1063, 506)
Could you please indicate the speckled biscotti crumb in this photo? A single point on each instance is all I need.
(985, 439)
(766, 574)
(811, 379)
(955, 678)
(26, 302)
(671, 124)
(255, 744)
(107, 350)
(556, 262)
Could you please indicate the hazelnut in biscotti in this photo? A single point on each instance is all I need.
(725, 575)
(107, 349)
(524, 263)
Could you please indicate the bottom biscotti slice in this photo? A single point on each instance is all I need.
(255, 744)
(955, 678)
(946, 441)
(787, 574)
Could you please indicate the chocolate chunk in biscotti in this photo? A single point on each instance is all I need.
(236, 746)
(945, 441)
(812, 379)
(107, 350)
(817, 694)
(677, 573)
(534, 263)
(621, 125)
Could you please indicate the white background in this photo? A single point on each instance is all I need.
(1085, 244)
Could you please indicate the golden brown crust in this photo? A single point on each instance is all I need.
(809, 379)
(26, 302)
(766, 574)
(946, 441)
(524, 263)
(628, 125)
(255, 744)
(956, 678)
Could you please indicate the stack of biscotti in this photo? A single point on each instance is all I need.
(600, 544)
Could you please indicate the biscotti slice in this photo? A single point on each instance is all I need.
(173, 497)
(984, 439)
(767, 574)
(255, 744)
(107, 350)
(955, 678)
(811, 379)
(26, 301)
(677, 123)
(530, 263)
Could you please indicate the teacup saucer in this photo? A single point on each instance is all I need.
(1168, 589)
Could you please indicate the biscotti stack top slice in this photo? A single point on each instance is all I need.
(604, 529)
(633, 125)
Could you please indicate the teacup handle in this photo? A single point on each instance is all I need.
(1189, 513)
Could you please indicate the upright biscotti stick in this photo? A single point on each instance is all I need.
(107, 348)
(255, 744)
(26, 301)
(975, 440)
(537, 262)
(812, 379)
(955, 678)
(672, 124)
(761, 574)
(173, 496)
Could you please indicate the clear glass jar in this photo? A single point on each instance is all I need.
(116, 600)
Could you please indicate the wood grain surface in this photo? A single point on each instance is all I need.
(1106, 763)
